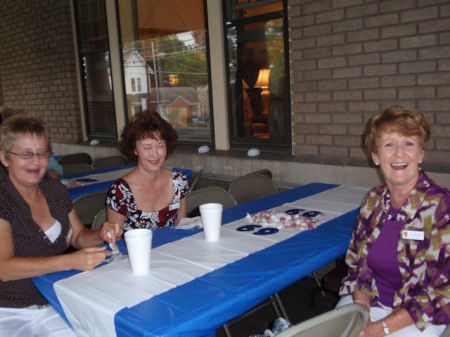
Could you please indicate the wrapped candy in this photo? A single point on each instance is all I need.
(284, 221)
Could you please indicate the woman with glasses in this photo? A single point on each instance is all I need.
(37, 225)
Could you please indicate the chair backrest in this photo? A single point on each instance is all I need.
(251, 187)
(265, 172)
(193, 180)
(209, 194)
(88, 205)
(75, 168)
(345, 321)
(99, 219)
(80, 157)
(109, 162)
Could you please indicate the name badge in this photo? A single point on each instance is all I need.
(413, 235)
(174, 206)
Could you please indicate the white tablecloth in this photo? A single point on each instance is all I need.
(91, 299)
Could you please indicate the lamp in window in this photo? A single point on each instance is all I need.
(173, 79)
(263, 83)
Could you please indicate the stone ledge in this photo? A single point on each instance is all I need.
(288, 170)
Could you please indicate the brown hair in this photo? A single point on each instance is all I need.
(396, 119)
(7, 111)
(146, 124)
(17, 125)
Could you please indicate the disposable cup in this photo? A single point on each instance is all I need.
(211, 215)
(139, 244)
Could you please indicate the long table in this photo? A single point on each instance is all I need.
(195, 287)
(100, 180)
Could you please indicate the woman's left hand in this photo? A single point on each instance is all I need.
(110, 232)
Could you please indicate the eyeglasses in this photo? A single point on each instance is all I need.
(29, 155)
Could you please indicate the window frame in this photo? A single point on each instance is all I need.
(89, 134)
(241, 142)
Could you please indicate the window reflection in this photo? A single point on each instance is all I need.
(165, 63)
(259, 99)
(95, 69)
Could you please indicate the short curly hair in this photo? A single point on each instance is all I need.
(396, 119)
(146, 124)
(18, 125)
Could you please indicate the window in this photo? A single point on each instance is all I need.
(258, 82)
(139, 86)
(164, 54)
(95, 69)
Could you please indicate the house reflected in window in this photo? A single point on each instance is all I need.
(166, 63)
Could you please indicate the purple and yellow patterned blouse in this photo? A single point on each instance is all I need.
(423, 264)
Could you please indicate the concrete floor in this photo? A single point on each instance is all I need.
(297, 302)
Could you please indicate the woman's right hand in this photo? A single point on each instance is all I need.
(111, 232)
(87, 258)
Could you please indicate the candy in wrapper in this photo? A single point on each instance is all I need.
(285, 221)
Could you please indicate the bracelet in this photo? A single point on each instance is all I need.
(385, 328)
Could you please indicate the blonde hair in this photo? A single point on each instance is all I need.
(396, 119)
(18, 125)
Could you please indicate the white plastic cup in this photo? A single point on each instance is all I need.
(211, 215)
(139, 247)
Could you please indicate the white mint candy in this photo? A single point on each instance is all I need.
(253, 152)
(203, 149)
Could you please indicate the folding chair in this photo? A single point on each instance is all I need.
(80, 157)
(244, 189)
(193, 180)
(275, 300)
(330, 282)
(75, 168)
(346, 321)
(251, 187)
(265, 172)
(109, 162)
(99, 219)
(88, 205)
(206, 195)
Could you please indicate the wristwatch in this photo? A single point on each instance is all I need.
(385, 328)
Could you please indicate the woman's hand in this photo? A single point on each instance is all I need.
(372, 329)
(110, 232)
(87, 258)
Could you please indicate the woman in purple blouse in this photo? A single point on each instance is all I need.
(399, 253)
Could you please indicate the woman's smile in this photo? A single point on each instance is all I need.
(399, 157)
(151, 152)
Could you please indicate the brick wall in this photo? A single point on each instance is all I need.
(1, 92)
(352, 58)
(37, 63)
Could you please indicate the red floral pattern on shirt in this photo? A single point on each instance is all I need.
(121, 199)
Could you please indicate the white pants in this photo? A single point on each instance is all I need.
(44, 322)
(378, 313)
